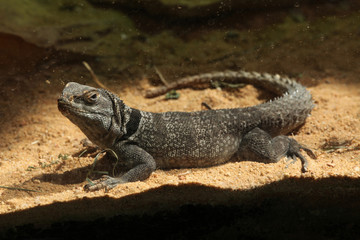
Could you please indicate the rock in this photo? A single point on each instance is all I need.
(70, 25)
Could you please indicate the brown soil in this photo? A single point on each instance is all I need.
(41, 147)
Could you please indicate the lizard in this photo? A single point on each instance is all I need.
(145, 141)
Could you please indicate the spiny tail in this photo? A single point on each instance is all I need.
(275, 83)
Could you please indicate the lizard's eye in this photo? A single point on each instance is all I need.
(92, 96)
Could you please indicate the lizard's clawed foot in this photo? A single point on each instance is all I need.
(294, 153)
(105, 182)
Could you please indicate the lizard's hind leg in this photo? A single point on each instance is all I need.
(258, 145)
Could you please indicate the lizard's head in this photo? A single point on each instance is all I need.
(91, 109)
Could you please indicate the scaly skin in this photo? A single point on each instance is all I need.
(146, 141)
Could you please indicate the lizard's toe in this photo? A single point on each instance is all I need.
(294, 153)
(308, 151)
(103, 183)
(291, 159)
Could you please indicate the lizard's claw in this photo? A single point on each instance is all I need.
(294, 153)
(105, 182)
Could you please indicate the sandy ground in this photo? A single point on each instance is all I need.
(40, 148)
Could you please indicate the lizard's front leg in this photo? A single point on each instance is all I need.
(141, 165)
(258, 145)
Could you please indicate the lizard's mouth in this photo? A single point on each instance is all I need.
(65, 107)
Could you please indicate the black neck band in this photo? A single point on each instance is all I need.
(133, 124)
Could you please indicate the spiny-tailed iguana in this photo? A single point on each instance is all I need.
(146, 141)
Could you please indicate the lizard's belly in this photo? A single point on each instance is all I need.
(189, 162)
(203, 153)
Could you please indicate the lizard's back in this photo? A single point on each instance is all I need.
(206, 138)
(196, 139)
